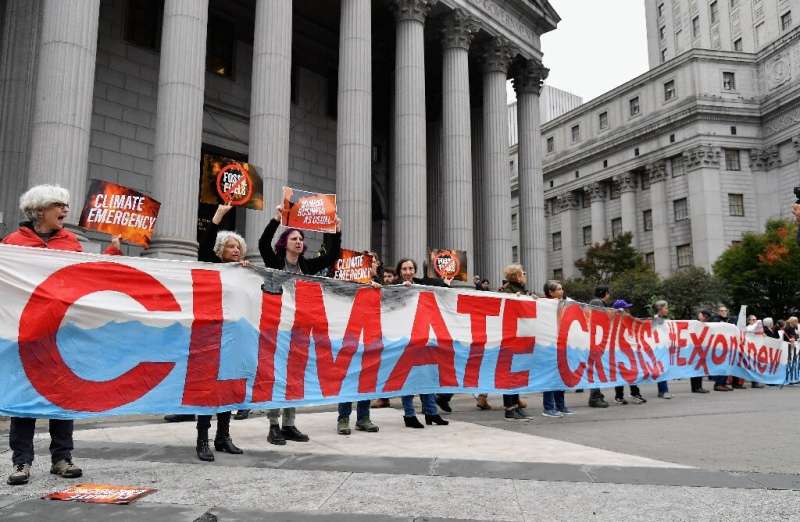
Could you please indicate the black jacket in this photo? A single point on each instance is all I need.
(332, 243)
(514, 288)
(205, 251)
(429, 281)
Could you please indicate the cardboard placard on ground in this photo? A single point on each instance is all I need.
(444, 263)
(352, 265)
(115, 209)
(226, 180)
(309, 210)
(101, 494)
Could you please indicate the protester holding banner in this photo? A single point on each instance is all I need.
(661, 308)
(619, 391)
(696, 383)
(602, 297)
(46, 207)
(553, 401)
(515, 281)
(288, 255)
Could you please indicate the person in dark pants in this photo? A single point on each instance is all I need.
(602, 297)
(697, 382)
(516, 279)
(721, 381)
(661, 308)
(46, 207)
(553, 402)
(619, 391)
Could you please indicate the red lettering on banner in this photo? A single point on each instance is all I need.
(570, 314)
(763, 359)
(599, 321)
(752, 355)
(512, 344)
(774, 360)
(681, 327)
(478, 308)
(655, 368)
(203, 386)
(46, 309)
(267, 344)
(365, 318)
(419, 353)
(721, 342)
(629, 373)
(612, 346)
(699, 350)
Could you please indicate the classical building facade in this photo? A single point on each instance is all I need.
(397, 106)
(687, 157)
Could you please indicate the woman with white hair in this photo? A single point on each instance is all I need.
(45, 207)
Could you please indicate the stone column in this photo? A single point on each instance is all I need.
(568, 207)
(477, 194)
(270, 103)
(20, 36)
(705, 204)
(62, 112)
(661, 224)
(458, 31)
(354, 124)
(409, 203)
(496, 178)
(597, 192)
(532, 232)
(627, 188)
(179, 128)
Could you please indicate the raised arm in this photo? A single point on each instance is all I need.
(271, 260)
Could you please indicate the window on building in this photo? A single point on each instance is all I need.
(575, 132)
(733, 130)
(551, 183)
(558, 274)
(663, 55)
(633, 105)
(728, 81)
(551, 206)
(143, 23)
(613, 190)
(577, 174)
(684, 255)
(786, 21)
(759, 34)
(636, 151)
(605, 164)
(603, 120)
(681, 209)
(713, 12)
(650, 260)
(645, 180)
(220, 46)
(514, 254)
(587, 235)
(677, 166)
(551, 144)
(647, 220)
(696, 27)
(678, 35)
(672, 138)
(737, 45)
(669, 90)
(732, 159)
(586, 201)
(514, 221)
(736, 204)
(616, 228)
(556, 240)
(662, 32)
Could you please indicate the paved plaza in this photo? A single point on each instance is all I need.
(718, 456)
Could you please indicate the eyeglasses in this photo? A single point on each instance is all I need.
(60, 205)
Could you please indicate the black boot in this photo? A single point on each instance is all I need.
(412, 422)
(203, 451)
(292, 433)
(275, 435)
(226, 444)
(443, 401)
(435, 419)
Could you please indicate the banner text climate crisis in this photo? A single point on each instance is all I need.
(313, 340)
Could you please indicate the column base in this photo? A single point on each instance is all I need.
(172, 248)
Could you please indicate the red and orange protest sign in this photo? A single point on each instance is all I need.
(115, 209)
(101, 494)
(352, 265)
(309, 210)
(225, 180)
(443, 263)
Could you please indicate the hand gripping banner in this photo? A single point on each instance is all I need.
(86, 335)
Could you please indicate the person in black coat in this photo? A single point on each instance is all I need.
(288, 255)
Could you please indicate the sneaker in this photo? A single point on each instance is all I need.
(638, 399)
(665, 395)
(552, 413)
(566, 411)
(20, 475)
(366, 425)
(722, 388)
(620, 400)
(599, 402)
(66, 469)
(343, 426)
(517, 414)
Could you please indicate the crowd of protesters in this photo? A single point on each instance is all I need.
(47, 206)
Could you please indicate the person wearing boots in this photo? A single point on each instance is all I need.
(697, 382)
(516, 279)
(45, 207)
(661, 308)
(619, 391)
(219, 246)
(553, 402)
(602, 297)
(288, 255)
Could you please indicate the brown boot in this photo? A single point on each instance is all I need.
(482, 403)
(521, 403)
(380, 403)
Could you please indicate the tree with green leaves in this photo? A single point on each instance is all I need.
(691, 289)
(604, 261)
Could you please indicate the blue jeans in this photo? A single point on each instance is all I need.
(362, 410)
(553, 400)
(663, 387)
(428, 405)
(720, 380)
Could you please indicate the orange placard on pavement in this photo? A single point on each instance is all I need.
(352, 265)
(101, 494)
(232, 182)
(115, 209)
(444, 263)
(309, 210)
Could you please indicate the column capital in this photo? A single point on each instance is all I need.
(414, 10)
(596, 191)
(497, 54)
(567, 201)
(627, 182)
(657, 171)
(458, 29)
(701, 156)
(529, 77)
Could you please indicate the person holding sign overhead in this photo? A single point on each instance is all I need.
(288, 255)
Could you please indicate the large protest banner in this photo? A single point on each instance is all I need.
(85, 334)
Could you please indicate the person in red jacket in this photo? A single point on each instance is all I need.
(46, 207)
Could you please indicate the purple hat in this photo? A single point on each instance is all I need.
(621, 304)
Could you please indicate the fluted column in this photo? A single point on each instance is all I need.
(354, 124)
(598, 194)
(477, 196)
(660, 211)
(568, 208)
(627, 187)
(62, 111)
(20, 36)
(532, 238)
(270, 103)
(458, 31)
(496, 178)
(702, 165)
(409, 203)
